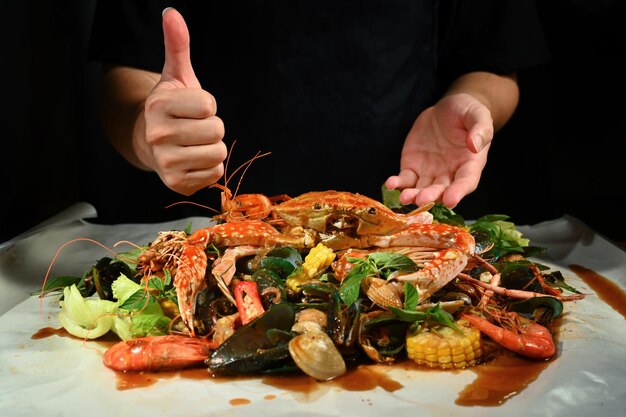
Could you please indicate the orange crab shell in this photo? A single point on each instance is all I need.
(319, 209)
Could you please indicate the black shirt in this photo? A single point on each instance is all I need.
(331, 88)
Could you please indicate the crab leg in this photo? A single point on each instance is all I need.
(455, 245)
(439, 236)
(446, 265)
(224, 266)
(189, 278)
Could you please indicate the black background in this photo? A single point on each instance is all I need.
(562, 153)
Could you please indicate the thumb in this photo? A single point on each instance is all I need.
(177, 65)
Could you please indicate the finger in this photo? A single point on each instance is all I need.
(188, 182)
(405, 179)
(205, 156)
(433, 191)
(421, 196)
(197, 132)
(203, 178)
(192, 103)
(478, 139)
(177, 159)
(186, 175)
(408, 195)
(479, 125)
(457, 190)
(424, 181)
(465, 182)
(177, 65)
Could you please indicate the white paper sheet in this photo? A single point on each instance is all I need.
(59, 376)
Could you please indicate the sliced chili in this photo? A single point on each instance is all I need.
(248, 301)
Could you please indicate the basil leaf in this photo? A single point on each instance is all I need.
(140, 300)
(408, 315)
(58, 283)
(350, 288)
(411, 297)
(391, 260)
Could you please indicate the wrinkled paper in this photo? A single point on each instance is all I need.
(61, 376)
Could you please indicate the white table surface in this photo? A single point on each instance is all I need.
(59, 376)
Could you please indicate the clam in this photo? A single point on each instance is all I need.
(314, 352)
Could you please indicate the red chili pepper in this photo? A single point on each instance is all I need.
(248, 301)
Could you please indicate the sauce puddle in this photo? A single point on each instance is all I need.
(607, 290)
(500, 379)
(51, 331)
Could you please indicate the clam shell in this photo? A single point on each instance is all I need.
(317, 356)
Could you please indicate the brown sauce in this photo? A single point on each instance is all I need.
(104, 341)
(239, 401)
(361, 378)
(50, 331)
(500, 379)
(497, 380)
(607, 290)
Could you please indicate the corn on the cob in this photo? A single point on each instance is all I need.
(318, 259)
(443, 347)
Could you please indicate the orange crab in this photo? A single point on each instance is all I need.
(345, 212)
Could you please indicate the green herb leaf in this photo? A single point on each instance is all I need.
(391, 261)
(138, 301)
(350, 288)
(411, 297)
(443, 214)
(377, 264)
(55, 284)
(408, 315)
(435, 314)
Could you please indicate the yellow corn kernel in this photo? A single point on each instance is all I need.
(445, 348)
(318, 259)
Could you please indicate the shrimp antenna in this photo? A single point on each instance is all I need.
(245, 166)
(193, 203)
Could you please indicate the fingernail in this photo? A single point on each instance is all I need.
(165, 10)
(478, 142)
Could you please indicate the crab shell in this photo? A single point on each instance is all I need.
(324, 211)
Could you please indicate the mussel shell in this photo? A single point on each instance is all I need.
(254, 347)
(542, 310)
(268, 280)
(343, 322)
(280, 266)
(382, 336)
(289, 254)
(520, 276)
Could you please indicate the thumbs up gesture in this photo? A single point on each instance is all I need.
(183, 135)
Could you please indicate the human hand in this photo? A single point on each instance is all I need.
(183, 135)
(445, 152)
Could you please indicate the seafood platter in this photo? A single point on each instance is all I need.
(318, 291)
